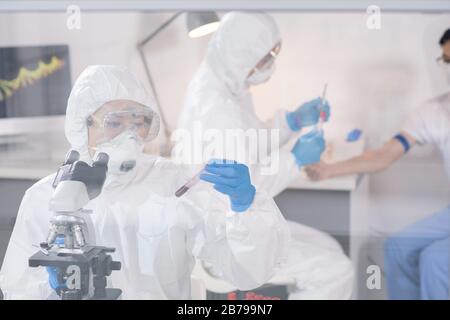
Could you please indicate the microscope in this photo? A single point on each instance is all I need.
(81, 268)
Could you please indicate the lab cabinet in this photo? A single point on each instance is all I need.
(339, 209)
(11, 193)
(326, 210)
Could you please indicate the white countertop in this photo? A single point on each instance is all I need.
(28, 171)
(347, 183)
(33, 158)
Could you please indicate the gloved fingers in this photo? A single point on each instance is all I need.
(315, 102)
(326, 106)
(229, 171)
(59, 240)
(326, 109)
(54, 284)
(309, 105)
(320, 143)
(216, 179)
(51, 270)
(223, 171)
(221, 163)
(53, 278)
(229, 191)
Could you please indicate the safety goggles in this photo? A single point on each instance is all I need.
(143, 122)
(268, 59)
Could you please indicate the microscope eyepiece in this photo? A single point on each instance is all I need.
(72, 156)
(101, 160)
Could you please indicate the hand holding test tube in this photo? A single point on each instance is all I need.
(184, 188)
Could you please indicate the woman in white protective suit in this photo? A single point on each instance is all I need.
(241, 53)
(157, 236)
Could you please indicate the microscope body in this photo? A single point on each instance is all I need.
(81, 267)
(84, 273)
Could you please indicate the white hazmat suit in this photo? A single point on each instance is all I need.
(218, 97)
(156, 235)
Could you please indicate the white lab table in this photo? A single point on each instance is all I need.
(329, 205)
(27, 171)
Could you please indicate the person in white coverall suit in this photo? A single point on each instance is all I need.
(241, 53)
(157, 236)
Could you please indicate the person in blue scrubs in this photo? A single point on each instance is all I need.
(417, 258)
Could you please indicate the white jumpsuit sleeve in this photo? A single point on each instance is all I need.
(278, 121)
(243, 248)
(17, 280)
(280, 169)
(275, 170)
(276, 173)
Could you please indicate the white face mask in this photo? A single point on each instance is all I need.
(123, 152)
(261, 76)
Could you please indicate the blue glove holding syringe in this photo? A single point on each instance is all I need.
(309, 113)
(323, 115)
(310, 146)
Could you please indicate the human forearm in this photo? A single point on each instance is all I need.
(369, 162)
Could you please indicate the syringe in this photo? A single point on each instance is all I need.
(322, 115)
(184, 188)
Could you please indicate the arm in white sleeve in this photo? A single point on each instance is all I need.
(243, 248)
(271, 164)
(278, 121)
(17, 279)
(276, 172)
(273, 167)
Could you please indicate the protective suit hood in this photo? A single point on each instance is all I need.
(96, 86)
(241, 41)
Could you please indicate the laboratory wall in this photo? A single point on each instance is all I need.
(375, 78)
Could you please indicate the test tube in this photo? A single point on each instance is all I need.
(184, 188)
(322, 115)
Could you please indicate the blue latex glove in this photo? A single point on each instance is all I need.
(307, 114)
(309, 148)
(233, 179)
(354, 135)
(53, 271)
(53, 279)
